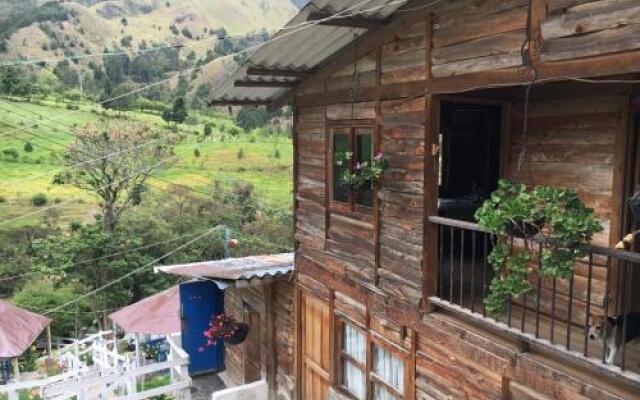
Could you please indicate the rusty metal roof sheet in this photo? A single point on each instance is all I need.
(303, 48)
(244, 268)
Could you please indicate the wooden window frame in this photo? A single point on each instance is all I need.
(352, 206)
(371, 341)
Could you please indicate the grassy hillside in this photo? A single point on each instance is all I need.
(93, 27)
(264, 161)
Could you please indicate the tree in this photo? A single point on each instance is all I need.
(122, 99)
(249, 118)
(28, 147)
(43, 294)
(112, 159)
(178, 113)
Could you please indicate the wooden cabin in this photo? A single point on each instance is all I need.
(390, 280)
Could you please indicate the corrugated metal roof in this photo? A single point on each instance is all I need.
(245, 268)
(303, 47)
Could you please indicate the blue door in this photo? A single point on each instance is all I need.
(199, 301)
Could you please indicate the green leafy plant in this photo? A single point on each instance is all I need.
(363, 173)
(554, 220)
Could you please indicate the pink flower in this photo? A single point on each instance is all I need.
(358, 166)
(378, 156)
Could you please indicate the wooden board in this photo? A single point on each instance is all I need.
(316, 351)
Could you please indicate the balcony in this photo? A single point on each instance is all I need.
(553, 317)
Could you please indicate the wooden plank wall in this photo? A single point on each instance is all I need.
(254, 297)
(473, 35)
(586, 28)
(571, 142)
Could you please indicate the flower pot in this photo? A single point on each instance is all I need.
(523, 229)
(240, 335)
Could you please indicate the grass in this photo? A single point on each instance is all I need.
(265, 163)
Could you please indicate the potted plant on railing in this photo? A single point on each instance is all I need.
(554, 220)
(364, 173)
(225, 328)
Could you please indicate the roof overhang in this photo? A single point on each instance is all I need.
(237, 272)
(298, 50)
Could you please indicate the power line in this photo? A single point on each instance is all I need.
(131, 273)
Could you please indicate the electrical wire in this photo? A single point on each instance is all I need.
(131, 273)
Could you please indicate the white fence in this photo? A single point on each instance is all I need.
(112, 376)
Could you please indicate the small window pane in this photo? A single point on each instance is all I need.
(388, 368)
(353, 380)
(355, 344)
(380, 393)
(364, 147)
(340, 147)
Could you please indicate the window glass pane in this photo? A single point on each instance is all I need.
(380, 393)
(340, 147)
(388, 368)
(355, 344)
(353, 379)
(364, 148)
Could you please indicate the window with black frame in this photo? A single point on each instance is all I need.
(352, 149)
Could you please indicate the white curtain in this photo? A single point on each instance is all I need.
(355, 346)
(390, 369)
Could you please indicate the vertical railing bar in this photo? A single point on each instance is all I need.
(538, 295)
(484, 272)
(606, 306)
(461, 265)
(588, 307)
(568, 345)
(473, 269)
(441, 260)
(553, 311)
(524, 308)
(509, 297)
(625, 310)
(451, 264)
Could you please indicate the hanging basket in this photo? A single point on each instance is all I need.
(239, 336)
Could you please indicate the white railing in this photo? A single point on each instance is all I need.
(112, 375)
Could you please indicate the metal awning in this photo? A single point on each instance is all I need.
(18, 329)
(300, 49)
(230, 271)
(154, 315)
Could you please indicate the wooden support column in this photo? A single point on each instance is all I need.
(297, 354)
(537, 14)
(377, 146)
(430, 195)
(269, 301)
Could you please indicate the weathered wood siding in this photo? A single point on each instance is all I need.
(474, 35)
(255, 299)
(586, 28)
(571, 142)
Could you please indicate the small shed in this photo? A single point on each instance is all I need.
(155, 315)
(256, 290)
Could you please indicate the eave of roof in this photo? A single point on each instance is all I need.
(301, 49)
(235, 269)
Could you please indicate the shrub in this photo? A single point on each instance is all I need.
(28, 147)
(3, 199)
(208, 129)
(240, 154)
(196, 153)
(187, 33)
(39, 200)
(174, 30)
(10, 154)
(276, 154)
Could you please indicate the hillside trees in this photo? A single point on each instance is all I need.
(249, 118)
(178, 113)
(113, 159)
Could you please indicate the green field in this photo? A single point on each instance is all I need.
(266, 160)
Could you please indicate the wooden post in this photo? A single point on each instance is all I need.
(16, 368)
(49, 346)
(269, 300)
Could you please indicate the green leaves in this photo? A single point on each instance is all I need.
(363, 173)
(554, 217)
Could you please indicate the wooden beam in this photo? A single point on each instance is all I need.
(264, 84)
(276, 72)
(350, 21)
(224, 103)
